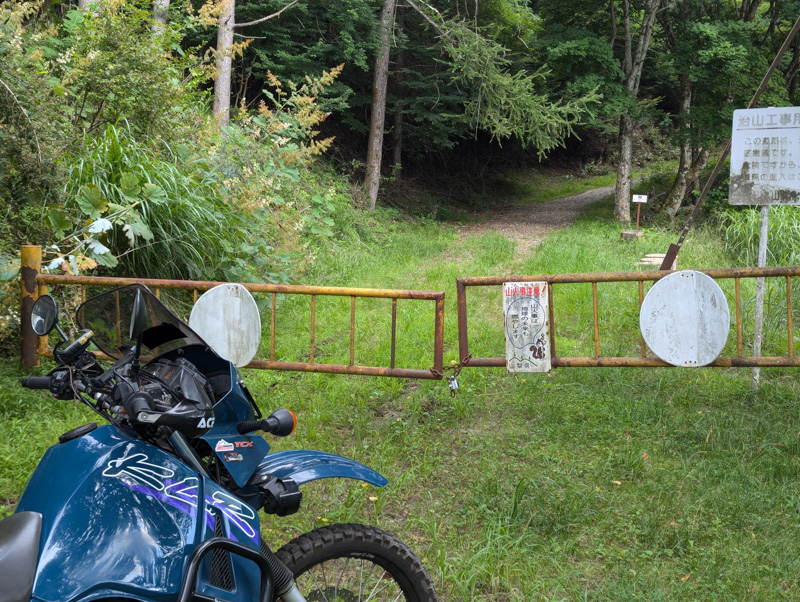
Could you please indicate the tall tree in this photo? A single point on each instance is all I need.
(713, 58)
(224, 55)
(160, 8)
(378, 113)
(503, 102)
(633, 63)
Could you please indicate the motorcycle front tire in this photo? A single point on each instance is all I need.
(352, 563)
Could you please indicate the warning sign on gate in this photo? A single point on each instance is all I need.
(527, 326)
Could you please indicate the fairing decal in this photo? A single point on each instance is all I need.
(121, 517)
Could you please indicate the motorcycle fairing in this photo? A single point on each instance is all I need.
(305, 465)
(239, 454)
(301, 465)
(122, 516)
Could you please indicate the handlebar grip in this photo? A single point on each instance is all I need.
(280, 423)
(248, 427)
(36, 382)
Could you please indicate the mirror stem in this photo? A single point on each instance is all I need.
(135, 363)
(61, 333)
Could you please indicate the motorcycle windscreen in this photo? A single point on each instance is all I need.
(108, 316)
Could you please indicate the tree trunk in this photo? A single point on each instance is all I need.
(378, 116)
(90, 6)
(397, 151)
(680, 187)
(632, 65)
(399, 63)
(222, 79)
(622, 192)
(160, 8)
(681, 183)
(748, 10)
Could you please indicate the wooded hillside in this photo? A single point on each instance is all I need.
(132, 128)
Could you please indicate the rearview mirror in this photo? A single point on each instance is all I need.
(138, 317)
(44, 315)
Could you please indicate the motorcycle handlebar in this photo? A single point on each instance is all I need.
(280, 423)
(36, 382)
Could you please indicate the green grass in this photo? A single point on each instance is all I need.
(587, 484)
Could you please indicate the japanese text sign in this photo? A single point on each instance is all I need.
(527, 326)
(765, 157)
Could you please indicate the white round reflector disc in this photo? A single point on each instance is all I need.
(227, 318)
(685, 319)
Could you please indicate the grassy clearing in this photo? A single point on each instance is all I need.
(603, 484)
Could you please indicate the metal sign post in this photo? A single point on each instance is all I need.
(639, 199)
(758, 331)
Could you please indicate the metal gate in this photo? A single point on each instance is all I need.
(34, 283)
(637, 279)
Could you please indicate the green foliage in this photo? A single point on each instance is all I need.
(741, 229)
(724, 60)
(503, 102)
(32, 127)
(510, 104)
(582, 62)
(106, 73)
(66, 81)
(156, 216)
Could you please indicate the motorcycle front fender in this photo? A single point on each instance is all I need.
(308, 465)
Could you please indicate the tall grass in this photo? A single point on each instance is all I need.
(742, 228)
(195, 234)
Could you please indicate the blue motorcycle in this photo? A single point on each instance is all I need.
(162, 503)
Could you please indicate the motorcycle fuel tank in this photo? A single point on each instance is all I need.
(122, 516)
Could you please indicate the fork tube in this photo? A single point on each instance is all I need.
(187, 453)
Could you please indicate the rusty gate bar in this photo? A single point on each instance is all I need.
(789, 316)
(394, 332)
(737, 274)
(33, 282)
(30, 262)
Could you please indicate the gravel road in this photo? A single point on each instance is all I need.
(529, 224)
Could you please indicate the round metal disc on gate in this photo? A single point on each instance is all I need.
(685, 320)
(227, 318)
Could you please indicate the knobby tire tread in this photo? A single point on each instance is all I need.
(325, 543)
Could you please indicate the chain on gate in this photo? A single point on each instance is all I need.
(451, 380)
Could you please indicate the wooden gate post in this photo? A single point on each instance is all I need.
(30, 266)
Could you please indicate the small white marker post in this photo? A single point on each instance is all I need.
(636, 234)
(639, 199)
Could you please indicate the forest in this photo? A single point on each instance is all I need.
(131, 129)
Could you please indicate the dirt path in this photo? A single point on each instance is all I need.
(529, 224)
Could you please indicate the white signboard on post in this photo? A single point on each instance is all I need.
(765, 157)
(639, 198)
(527, 326)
